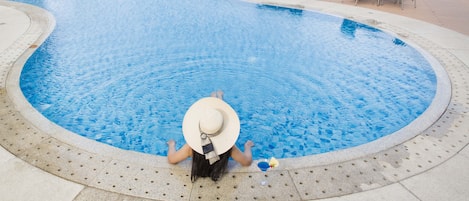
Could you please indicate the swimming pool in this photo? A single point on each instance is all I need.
(296, 94)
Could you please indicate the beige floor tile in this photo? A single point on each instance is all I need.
(465, 152)
(5, 155)
(16, 26)
(21, 181)
(454, 174)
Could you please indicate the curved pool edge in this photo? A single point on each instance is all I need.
(62, 153)
(435, 110)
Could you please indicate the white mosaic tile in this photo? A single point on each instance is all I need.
(420, 155)
(338, 179)
(391, 192)
(246, 186)
(143, 181)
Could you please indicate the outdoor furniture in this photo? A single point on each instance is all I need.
(356, 2)
(399, 2)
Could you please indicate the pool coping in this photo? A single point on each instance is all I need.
(27, 123)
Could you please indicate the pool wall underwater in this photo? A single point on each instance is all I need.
(110, 171)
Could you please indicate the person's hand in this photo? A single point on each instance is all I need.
(171, 143)
(248, 144)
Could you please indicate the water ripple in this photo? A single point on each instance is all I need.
(125, 72)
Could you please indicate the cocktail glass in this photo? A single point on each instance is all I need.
(263, 165)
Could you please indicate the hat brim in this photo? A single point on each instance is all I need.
(229, 132)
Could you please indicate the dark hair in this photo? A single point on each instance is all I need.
(202, 168)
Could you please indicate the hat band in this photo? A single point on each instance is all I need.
(207, 146)
(208, 149)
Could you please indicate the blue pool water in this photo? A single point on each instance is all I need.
(124, 72)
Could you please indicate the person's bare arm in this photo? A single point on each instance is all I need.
(245, 159)
(179, 155)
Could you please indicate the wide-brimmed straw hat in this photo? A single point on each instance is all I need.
(214, 117)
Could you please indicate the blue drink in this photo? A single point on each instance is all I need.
(263, 165)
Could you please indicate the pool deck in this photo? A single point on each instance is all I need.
(41, 161)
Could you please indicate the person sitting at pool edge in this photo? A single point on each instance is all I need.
(210, 128)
